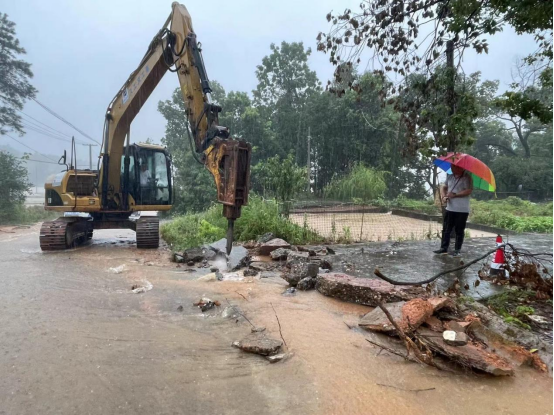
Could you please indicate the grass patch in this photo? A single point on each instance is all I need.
(259, 217)
(511, 213)
(24, 215)
(509, 306)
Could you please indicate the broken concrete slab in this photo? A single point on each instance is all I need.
(306, 284)
(441, 302)
(194, 255)
(471, 355)
(296, 258)
(457, 326)
(236, 259)
(434, 324)
(299, 272)
(365, 291)
(407, 315)
(259, 343)
(280, 254)
(377, 320)
(454, 338)
(414, 313)
(266, 237)
(267, 247)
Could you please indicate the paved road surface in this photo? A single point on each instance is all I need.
(76, 341)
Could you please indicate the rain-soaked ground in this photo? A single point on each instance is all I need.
(76, 340)
(415, 260)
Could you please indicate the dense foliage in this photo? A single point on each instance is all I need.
(361, 184)
(259, 217)
(409, 37)
(15, 73)
(13, 186)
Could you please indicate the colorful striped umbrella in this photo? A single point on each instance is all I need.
(482, 176)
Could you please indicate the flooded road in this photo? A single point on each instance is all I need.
(76, 340)
(415, 260)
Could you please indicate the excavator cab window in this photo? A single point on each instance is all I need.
(154, 184)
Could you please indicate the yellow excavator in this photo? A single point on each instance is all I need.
(134, 178)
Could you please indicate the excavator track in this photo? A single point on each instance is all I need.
(148, 233)
(60, 234)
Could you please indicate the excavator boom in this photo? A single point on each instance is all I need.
(175, 48)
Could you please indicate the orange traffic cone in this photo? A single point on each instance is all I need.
(497, 266)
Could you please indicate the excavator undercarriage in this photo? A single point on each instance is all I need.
(70, 232)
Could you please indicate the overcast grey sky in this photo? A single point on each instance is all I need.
(82, 52)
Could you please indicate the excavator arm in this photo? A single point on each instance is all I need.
(175, 49)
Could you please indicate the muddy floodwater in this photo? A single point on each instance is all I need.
(75, 339)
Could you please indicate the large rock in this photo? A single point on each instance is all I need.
(268, 247)
(408, 315)
(377, 321)
(365, 290)
(297, 258)
(299, 272)
(280, 254)
(454, 338)
(473, 355)
(266, 237)
(306, 284)
(195, 255)
(259, 343)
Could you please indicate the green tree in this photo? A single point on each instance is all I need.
(279, 177)
(362, 183)
(416, 36)
(424, 108)
(15, 73)
(408, 36)
(285, 83)
(14, 186)
(193, 185)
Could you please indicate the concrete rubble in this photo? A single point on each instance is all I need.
(271, 245)
(472, 355)
(465, 340)
(300, 271)
(259, 343)
(468, 334)
(364, 290)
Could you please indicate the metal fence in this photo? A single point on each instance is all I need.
(347, 222)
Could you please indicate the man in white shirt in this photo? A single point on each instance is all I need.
(145, 175)
(459, 186)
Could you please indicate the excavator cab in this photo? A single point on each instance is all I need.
(149, 176)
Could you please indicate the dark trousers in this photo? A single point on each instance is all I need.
(456, 221)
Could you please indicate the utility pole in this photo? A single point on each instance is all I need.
(89, 154)
(309, 160)
(451, 95)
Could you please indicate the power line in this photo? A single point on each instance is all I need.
(32, 149)
(39, 161)
(46, 125)
(59, 117)
(47, 134)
